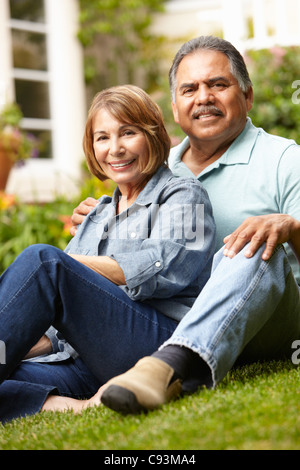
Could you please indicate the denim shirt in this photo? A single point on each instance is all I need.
(165, 232)
(164, 242)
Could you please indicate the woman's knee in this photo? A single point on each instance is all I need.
(42, 251)
(37, 254)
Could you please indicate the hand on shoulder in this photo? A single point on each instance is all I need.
(80, 212)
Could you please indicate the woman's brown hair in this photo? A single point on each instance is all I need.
(129, 104)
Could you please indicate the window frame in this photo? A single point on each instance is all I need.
(43, 179)
(34, 124)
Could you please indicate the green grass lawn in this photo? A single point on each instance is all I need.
(255, 407)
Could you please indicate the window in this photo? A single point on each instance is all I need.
(30, 68)
(28, 10)
(41, 67)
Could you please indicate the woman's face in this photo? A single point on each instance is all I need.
(120, 149)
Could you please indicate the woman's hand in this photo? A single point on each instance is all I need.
(271, 229)
(80, 212)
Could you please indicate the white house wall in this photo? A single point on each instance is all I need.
(274, 22)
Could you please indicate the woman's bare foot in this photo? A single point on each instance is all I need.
(58, 403)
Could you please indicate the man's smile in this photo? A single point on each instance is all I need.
(206, 112)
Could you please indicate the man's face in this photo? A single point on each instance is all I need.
(210, 105)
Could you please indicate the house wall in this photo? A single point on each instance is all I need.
(246, 23)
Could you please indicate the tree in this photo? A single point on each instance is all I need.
(119, 48)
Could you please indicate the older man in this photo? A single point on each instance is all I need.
(250, 307)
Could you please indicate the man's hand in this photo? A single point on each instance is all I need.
(272, 229)
(80, 212)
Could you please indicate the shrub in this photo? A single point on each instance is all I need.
(22, 224)
(273, 73)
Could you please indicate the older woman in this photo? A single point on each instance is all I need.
(132, 271)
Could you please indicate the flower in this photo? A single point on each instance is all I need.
(66, 220)
(7, 200)
(18, 144)
(278, 54)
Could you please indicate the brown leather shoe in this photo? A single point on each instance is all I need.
(144, 387)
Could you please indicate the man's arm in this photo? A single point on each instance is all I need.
(272, 229)
(294, 242)
(80, 212)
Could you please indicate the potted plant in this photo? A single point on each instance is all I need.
(15, 144)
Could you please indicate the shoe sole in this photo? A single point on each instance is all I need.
(121, 400)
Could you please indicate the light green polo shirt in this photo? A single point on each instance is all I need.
(258, 174)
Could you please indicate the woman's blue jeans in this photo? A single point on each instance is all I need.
(45, 286)
(249, 310)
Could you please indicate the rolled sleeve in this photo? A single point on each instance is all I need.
(140, 269)
(51, 333)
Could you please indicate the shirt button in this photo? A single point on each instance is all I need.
(133, 235)
(158, 264)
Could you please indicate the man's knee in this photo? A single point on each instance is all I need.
(239, 258)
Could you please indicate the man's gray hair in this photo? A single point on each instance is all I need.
(212, 43)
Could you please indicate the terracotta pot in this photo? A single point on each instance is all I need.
(6, 165)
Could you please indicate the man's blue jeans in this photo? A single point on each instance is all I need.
(249, 310)
(45, 286)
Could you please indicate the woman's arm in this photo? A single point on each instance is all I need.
(43, 346)
(103, 265)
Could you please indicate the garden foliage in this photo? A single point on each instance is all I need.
(274, 73)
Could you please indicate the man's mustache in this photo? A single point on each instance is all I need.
(203, 110)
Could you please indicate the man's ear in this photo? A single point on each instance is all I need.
(175, 112)
(249, 98)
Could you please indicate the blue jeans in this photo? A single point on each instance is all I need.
(249, 310)
(45, 286)
(27, 388)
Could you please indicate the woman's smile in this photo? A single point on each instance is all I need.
(124, 164)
